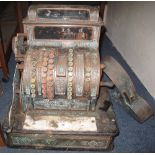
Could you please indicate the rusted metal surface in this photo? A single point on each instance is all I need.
(62, 129)
(57, 77)
(19, 46)
(57, 99)
(61, 142)
(135, 104)
(76, 29)
(62, 74)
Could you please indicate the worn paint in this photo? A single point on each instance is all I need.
(60, 123)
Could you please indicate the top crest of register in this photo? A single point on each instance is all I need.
(79, 14)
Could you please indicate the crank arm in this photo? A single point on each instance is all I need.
(134, 103)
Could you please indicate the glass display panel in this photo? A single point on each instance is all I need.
(63, 33)
(63, 14)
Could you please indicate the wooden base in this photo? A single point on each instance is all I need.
(67, 142)
(56, 129)
(99, 139)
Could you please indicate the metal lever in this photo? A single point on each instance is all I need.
(134, 103)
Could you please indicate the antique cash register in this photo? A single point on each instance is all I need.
(60, 98)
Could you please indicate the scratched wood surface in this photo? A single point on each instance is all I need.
(2, 144)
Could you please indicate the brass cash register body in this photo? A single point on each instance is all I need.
(59, 95)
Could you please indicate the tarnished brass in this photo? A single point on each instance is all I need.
(59, 103)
